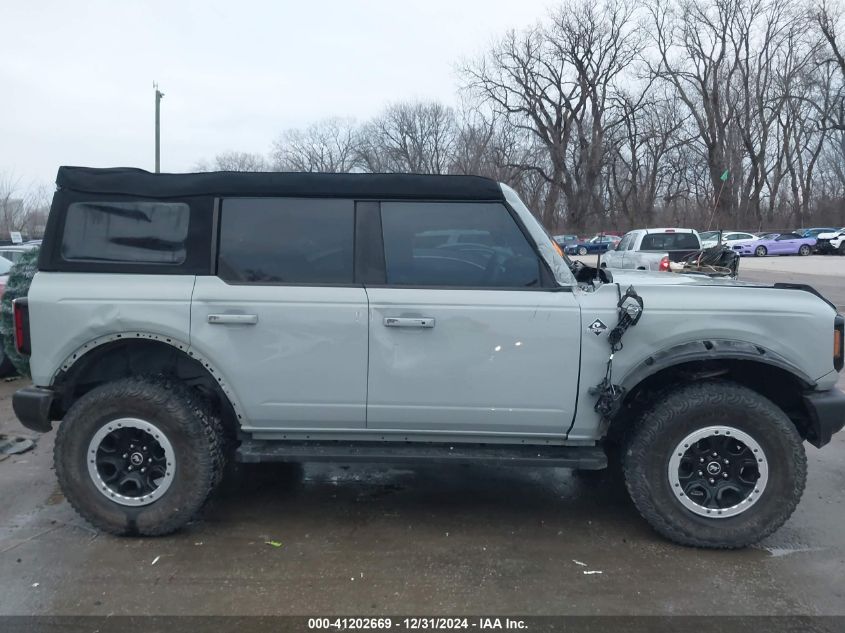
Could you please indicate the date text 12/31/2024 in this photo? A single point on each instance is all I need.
(415, 623)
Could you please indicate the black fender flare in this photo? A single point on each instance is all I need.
(711, 349)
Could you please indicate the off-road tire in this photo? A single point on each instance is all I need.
(192, 429)
(680, 412)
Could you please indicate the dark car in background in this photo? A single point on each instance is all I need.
(814, 232)
(566, 239)
(597, 244)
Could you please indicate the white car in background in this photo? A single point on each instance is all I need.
(13, 252)
(710, 239)
(5, 267)
(831, 242)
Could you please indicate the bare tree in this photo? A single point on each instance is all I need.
(235, 161)
(828, 21)
(416, 137)
(639, 169)
(558, 83)
(12, 209)
(738, 119)
(329, 145)
(22, 209)
(698, 58)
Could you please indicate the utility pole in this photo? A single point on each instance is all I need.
(159, 95)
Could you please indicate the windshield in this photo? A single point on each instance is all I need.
(544, 242)
(5, 266)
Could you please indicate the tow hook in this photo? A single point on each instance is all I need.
(630, 310)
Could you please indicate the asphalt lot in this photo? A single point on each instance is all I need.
(374, 540)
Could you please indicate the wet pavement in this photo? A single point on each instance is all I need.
(373, 540)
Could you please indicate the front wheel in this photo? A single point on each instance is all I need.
(761, 251)
(804, 250)
(582, 250)
(715, 465)
(139, 455)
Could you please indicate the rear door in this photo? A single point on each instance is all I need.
(615, 257)
(629, 254)
(282, 318)
(468, 336)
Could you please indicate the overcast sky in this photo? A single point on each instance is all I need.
(77, 76)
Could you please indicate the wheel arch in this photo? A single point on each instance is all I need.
(135, 353)
(753, 366)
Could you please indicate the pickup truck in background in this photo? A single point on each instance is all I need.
(652, 249)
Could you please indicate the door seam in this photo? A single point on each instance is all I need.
(367, 369)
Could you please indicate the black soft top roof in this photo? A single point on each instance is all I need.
(138, 182)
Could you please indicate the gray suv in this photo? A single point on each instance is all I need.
(181, 320)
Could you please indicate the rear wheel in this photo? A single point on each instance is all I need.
(139, 455)
(761, 251)
(715, 465)
(804, 250)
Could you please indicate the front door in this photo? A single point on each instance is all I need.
(464, 337)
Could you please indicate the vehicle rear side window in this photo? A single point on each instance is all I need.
(456, 244)
(136, 232)
(286, 240)
(669, 242)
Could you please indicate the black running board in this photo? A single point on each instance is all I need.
(580, 457)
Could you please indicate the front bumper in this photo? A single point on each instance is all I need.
(823, 246)
(33, 405)
(826, 410)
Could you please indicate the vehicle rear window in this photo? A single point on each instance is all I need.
(456, 244)
(286, 240)
(130, 232)
(669, 242)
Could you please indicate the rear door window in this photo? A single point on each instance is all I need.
(456, 244)
(286, 241)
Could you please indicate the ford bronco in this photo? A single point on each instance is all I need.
(181, 320)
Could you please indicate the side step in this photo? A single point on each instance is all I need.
(580, 457)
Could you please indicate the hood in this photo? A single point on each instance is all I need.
(653, 278)
(829, 236)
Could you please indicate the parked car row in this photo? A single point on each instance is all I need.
(799, 242)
